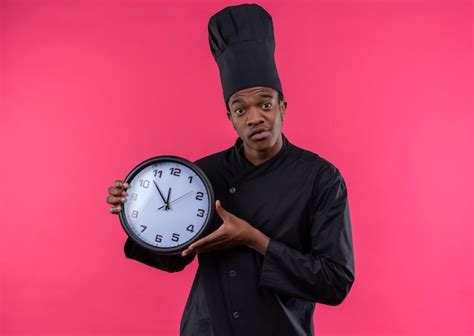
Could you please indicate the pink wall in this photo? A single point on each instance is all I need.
(382, 89)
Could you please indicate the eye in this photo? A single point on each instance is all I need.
(239, 111)
(267, 106)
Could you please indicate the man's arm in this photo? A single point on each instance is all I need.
(326, 274)
(168, 263)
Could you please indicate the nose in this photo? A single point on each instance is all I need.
(254, 117)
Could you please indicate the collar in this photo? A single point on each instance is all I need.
(239, 153)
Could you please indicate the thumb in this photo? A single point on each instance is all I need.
(223, 213)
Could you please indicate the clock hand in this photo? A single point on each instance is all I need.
(161, 207)
(181, 196)
(168, 199)
(162, 197)
(176, 199)
(167, 202)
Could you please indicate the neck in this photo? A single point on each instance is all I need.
(258, 157)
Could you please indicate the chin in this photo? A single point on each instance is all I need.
(262, 145)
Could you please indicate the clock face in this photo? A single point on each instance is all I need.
(169, 204)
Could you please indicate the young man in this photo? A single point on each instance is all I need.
(281, 238)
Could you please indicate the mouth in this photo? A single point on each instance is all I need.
(259, 134)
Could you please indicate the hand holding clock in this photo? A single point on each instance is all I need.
(180, 231)
(233, 232)
(117, 196)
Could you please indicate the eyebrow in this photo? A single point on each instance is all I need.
(261, 95)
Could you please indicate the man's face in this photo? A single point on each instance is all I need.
(257, 116)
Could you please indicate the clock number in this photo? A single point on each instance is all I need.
(190, 179)
(158, 238)
(175, 171)
(144, 227)
(190, 228)
(134, 197)
(199, 196)
(159, 172)
(144, 183)
(175, 237)
(135, 214)
(200, 213)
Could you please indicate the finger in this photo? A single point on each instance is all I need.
(117, 191)
(216, 245)
(223, 213)
(115, 200)
(120, 184)
(116, 210)
(206, 240)
(203, 245)
(186, 252)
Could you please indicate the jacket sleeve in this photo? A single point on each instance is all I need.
(326, 274)
(168, 263)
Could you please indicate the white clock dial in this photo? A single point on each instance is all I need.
(167, 205)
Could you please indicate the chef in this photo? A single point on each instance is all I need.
(281, 239)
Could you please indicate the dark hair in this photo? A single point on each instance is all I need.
(280, 99)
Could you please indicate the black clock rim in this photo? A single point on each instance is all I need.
(207, 183)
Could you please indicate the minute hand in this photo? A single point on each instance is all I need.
(162, 197)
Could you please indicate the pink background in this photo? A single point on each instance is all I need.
(382, 89)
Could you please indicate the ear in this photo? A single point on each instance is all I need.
(283, 106)
(229, 116)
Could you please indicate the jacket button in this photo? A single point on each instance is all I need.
(236, 315)
(232, 190)
(232, 273)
